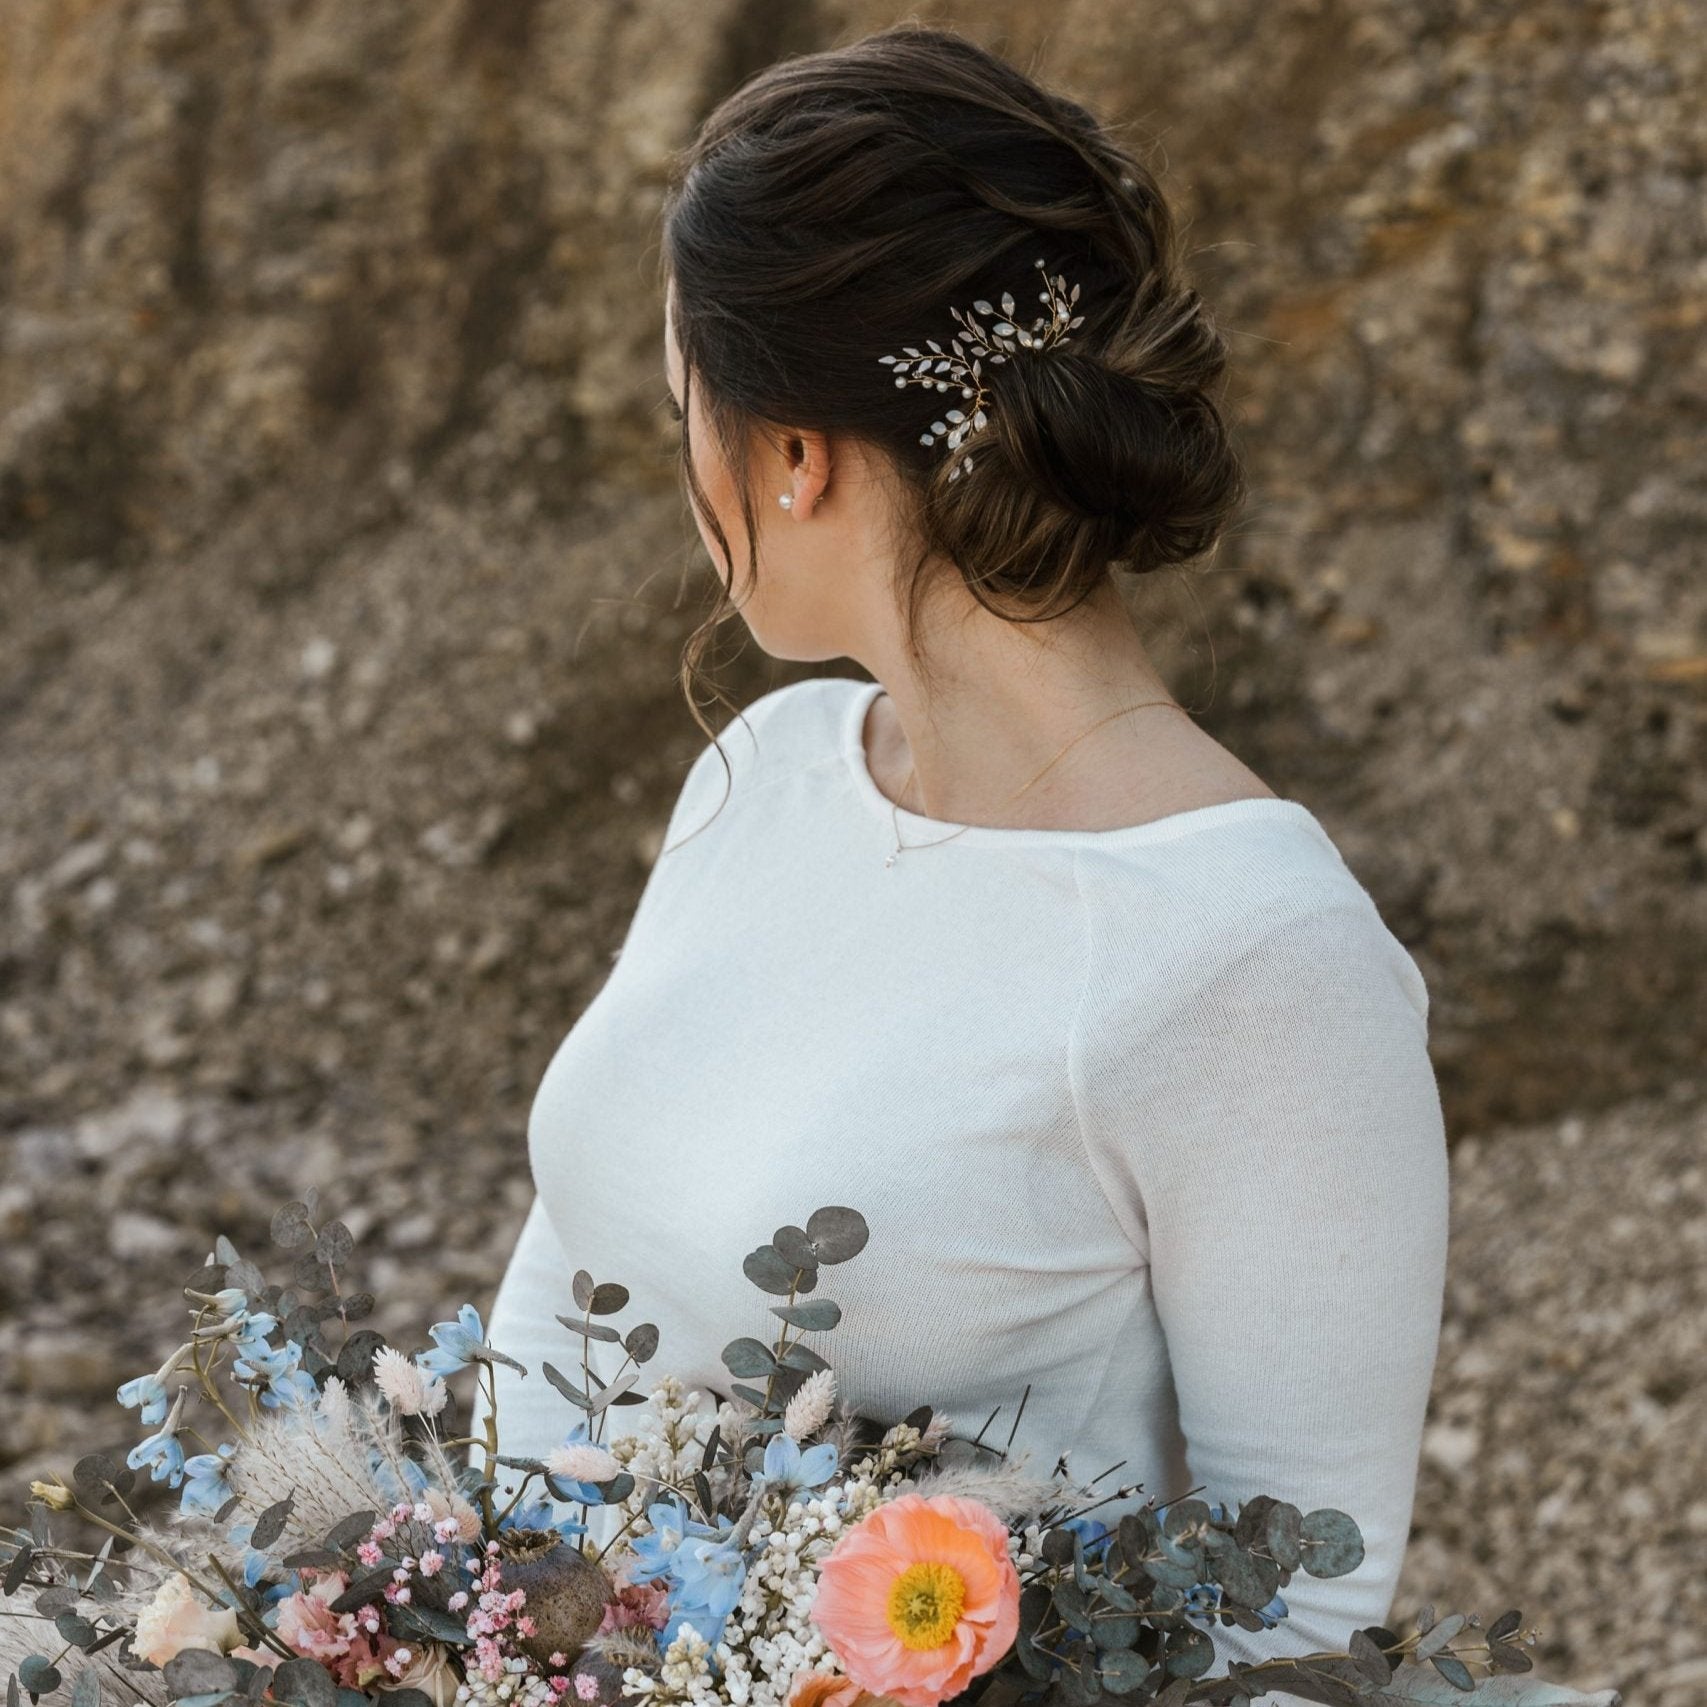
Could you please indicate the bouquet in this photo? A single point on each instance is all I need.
(335, 1542)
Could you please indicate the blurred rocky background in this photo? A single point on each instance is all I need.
(343, 576)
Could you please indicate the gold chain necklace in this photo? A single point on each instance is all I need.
(913, 770)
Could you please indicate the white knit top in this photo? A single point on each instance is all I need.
(1142, 1117)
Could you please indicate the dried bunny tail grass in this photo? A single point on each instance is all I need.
(320, 1455)
(843, 1431)
(1007, 1489)
(626, 1647)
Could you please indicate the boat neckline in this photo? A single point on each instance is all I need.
(1250, 809)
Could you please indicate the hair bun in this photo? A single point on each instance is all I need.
(1100, 444)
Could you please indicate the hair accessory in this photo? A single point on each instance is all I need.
(1003, 339)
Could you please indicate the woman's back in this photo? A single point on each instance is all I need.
(1143, 1118)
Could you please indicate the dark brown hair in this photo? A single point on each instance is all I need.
(838, 205)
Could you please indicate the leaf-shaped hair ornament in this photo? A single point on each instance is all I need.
(962, 363)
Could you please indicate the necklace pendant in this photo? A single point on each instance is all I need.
(891, 859)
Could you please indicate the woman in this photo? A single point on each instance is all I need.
(1104, 1039)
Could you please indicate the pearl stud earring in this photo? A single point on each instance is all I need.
(786, 500)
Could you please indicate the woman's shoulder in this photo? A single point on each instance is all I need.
(1265, 895)
(772, 737)
(798, 719)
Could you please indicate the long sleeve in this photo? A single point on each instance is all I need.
(532, 1416)
(1273, 1141)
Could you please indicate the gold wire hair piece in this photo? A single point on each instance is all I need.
(1002, 340)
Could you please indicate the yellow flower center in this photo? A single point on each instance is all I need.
(925, 1603)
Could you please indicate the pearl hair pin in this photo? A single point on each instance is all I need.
(1003, 339)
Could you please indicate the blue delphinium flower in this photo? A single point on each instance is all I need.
(252, 1330)
(1272, 1613)
(539, 1514)
(670, 1527)
(1095, 1534)
(204, 1484)
(457, 1343)
(148, 1391)
(1201, 1599)
(409, 1486)
(163, 1455)
(255, 1561)
(707, 1576)
(588, 1493)
(278, 1368)
(788, 1469)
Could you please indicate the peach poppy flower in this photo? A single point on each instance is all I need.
(825, 1689)
(920, 1597)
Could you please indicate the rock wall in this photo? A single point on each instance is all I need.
(343, 572)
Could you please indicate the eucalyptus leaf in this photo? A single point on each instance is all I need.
(1331, 1544)
(74, 1628)
(304, 1683)
(348, 1531)
(1183, 1515)
(1071, 1604)
(269, 1526)
(641, 1341)
(608, 1297)
(1281, 1533)
(1505, 1625)
(336, 1244)
(429, 1621)
(1424, 1683)
(291, 1227)
(1502, 1656)
(1453, 1670)
(837, 1233)
(38, 1674)
(1123, 1671)
(356, 1355)
(196, 1671)
(803, 1358)
(818, 1315)
(609, 1395)
(747, 1356)
(17, 1570)
(591, 1330)
(1247, 1579)
(93, 1471)
(365, 1588)
(795, 1247)
(1440, 1635)
(1251, 1525)
(770, 1271)
(1367, 1656)
(1190, 1653)
(565, 1386)
(1114, 1634)
(581, 1288)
